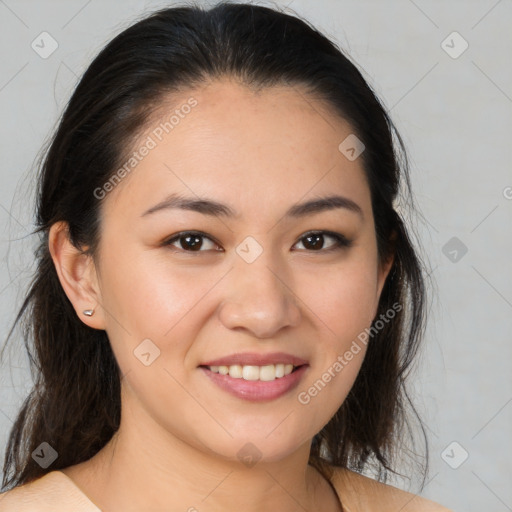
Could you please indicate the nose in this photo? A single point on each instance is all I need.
(259, 299)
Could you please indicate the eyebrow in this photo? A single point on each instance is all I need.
(216, 209)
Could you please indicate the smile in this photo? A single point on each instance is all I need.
(265, 373)
(249, 382)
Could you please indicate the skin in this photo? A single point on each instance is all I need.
(260, 153)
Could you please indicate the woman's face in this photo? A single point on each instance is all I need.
(256, 291)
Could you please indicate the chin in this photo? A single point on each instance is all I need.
(260, 447)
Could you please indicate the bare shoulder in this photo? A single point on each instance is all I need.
(359, 493)
(52, 492)
(24, 497)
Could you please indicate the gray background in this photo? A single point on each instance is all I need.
(456, 117)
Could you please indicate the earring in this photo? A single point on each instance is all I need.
(89, 312)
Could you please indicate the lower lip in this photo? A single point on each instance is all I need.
(257, 390)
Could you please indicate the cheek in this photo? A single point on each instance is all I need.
(147, 297)
(156, 301)
(344, 298)
(342, 306)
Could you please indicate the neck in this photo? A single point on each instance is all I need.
(143, 467)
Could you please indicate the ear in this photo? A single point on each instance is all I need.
(77, 275)
(384, 269)
(385, 266)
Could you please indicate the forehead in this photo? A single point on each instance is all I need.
(250, 149)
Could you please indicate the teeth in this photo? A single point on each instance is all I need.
(235, 371)
(249, 372)
(267, 372)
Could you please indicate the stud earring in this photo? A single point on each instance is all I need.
(89, 312)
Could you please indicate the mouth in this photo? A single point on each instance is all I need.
(255, 377)
(266, 373)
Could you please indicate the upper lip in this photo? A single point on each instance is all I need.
(254, 359)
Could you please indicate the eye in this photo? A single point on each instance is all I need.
(316, 241)
(192, 241)
(195, 241)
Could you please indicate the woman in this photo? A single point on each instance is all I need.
(227, 301)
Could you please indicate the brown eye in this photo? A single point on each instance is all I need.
(191, 242)
(326, 240)
(314, 242)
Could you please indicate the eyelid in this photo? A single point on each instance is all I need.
(173, 238)
(341, 241)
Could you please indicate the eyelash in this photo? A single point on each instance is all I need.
(340, 241)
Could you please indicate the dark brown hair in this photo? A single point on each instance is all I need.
(75, 402)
